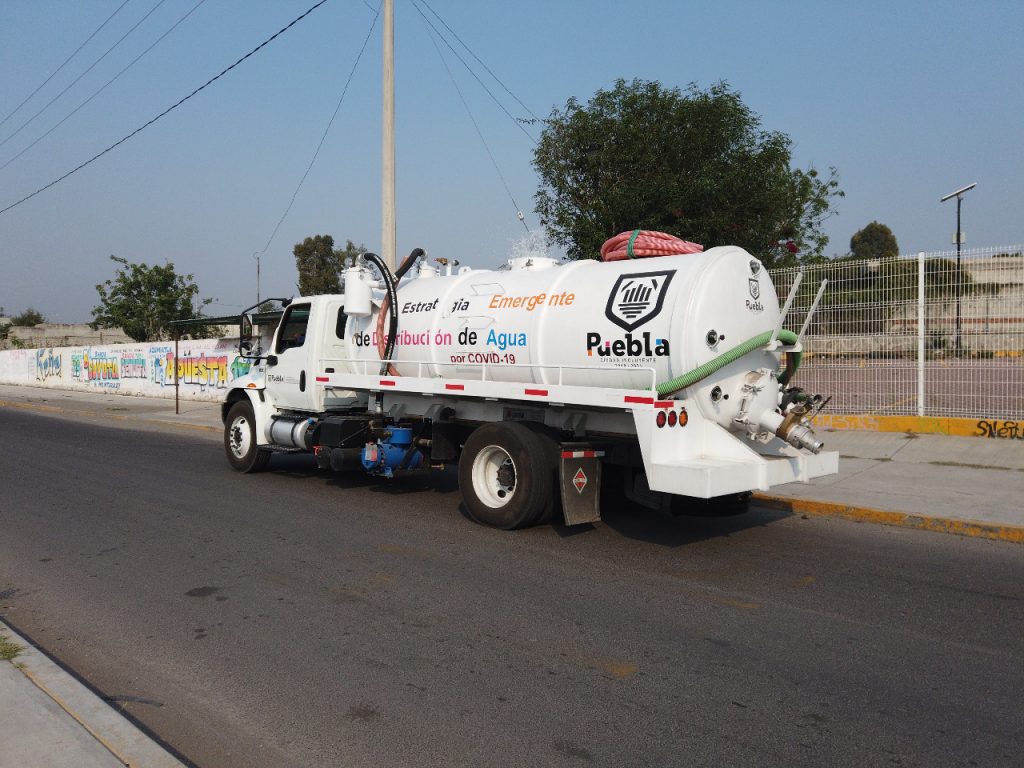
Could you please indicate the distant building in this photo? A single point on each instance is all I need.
(60, 335)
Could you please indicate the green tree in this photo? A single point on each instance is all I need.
(874, 241)
(30, 317)
(320, 264)
(696, 164)
(143, 300)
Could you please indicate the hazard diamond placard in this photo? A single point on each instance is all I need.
(579, 480)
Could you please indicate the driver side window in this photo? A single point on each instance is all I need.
(293, 328)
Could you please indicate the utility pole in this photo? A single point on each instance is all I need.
(387, 220)
(256, 255)
(959, 195)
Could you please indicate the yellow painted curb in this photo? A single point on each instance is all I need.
(969, 528)
(1007, 429)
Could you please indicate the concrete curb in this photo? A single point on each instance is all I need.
(968, 528)
(111, 729)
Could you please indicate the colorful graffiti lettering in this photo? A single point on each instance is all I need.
(133, 365)
(198, 370)
(47, 364)
(240, 367)
(97, 368)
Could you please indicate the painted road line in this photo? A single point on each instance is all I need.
(969, 528)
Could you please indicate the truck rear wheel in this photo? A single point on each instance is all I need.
(240, 439)
(504, 476)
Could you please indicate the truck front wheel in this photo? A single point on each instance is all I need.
(240, 439)
(504, 476)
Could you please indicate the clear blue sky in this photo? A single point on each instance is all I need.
(909, 100)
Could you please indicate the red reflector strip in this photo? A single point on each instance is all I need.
(387, 383)
(639, 400)
(582, 454)
(457, 387)
(664, 404)
(322, 378)
(536, 392)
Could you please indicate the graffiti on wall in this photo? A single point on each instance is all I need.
(998, 428)
(196, 369)
(205, 367)
(133, 364)
(47, 364)
(100, 368)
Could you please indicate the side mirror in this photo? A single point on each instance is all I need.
(271, 360)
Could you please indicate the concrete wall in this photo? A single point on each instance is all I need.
(205, 367)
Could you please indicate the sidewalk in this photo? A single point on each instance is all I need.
(50, 720)
(972, 486)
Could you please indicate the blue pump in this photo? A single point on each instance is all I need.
(394, 453)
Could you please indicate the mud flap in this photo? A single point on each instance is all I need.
(580, 472)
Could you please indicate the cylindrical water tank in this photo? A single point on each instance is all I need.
(623, 324)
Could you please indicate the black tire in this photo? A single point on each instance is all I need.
(551, 451)
(718, 506)
(240, 445)
(504, 475)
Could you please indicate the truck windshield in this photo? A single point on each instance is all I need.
(293, 328)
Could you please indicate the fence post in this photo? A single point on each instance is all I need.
(920, 333)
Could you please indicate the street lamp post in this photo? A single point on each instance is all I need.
(959, 195)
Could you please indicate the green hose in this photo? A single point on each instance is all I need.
(703, 371)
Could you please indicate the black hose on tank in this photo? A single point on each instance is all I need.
(392, 296)
(407, 263)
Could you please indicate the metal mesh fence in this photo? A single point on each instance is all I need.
(915, 335)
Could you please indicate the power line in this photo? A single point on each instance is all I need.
(519, 211)
(104, 86)
(330, 122)
(479, 60)
(166, 111)
(483, 85)
(87, 71)
(64, 63)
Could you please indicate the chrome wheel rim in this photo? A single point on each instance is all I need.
(240, 437)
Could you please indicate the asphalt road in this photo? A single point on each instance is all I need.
(296, 619)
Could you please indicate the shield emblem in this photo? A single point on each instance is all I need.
(755, 287)
(637, 297)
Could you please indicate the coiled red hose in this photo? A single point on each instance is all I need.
(640, 243)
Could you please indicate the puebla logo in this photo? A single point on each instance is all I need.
(637, 298)
(755, 288)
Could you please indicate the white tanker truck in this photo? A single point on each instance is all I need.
(534, 378)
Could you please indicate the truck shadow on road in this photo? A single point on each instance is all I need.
(642, 524)
(619, 515)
